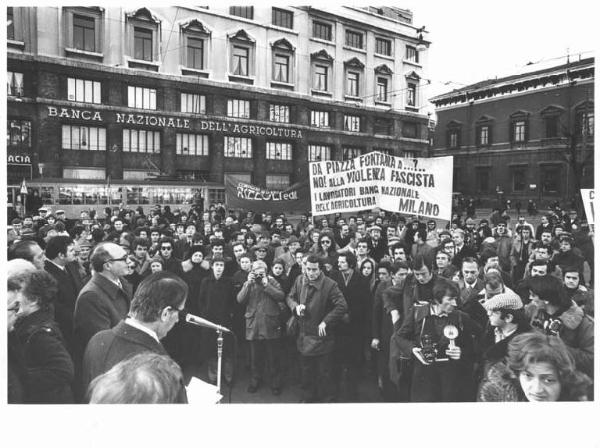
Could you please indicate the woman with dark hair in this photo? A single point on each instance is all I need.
(250, 239)
(278, 273)
(312, 241)
(537, 368)
(49, 366)
(367, 270)
(555, 314)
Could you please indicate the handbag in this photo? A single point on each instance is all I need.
(292, 326)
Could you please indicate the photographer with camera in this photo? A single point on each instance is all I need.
(263, 327)
(440, 340)
(554, 313)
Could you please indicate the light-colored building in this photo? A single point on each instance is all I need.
(197, 94)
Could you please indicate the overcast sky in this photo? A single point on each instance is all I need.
(472, 42)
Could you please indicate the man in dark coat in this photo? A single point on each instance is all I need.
(445, 375)
(103, 301)
(216, 301)
(350, 333)
(319, 305)
(60, 255)
(154, 310)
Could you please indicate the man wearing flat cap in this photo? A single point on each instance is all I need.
(378, 245)
(506, 320)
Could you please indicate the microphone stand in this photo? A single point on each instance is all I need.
(219, 360)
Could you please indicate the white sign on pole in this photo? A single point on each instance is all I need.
(23, 187)
(587, 195)
(420, 186)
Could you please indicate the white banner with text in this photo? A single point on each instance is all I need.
(410, 186)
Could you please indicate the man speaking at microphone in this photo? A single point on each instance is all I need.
(153, 312)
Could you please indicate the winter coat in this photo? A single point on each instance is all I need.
(100, 306)
(503, 248)
(109, 347)
(262, 309)
(69, 284)
(324, 303)
(16, 372)
(50, 370)
(577, 332)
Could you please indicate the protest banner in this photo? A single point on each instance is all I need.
(411, 186)
(587, 195)
(250, 197)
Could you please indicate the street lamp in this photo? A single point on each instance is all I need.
(421, 44)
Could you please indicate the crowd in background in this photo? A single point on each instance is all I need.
(480, 310)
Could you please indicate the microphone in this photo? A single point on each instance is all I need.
(202, 322)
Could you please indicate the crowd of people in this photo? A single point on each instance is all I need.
(480, 310)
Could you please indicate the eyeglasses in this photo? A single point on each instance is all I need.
(166, 248)
(123, 258)
(325, 241)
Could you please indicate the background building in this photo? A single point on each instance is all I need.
(195, 95)
(527, 136)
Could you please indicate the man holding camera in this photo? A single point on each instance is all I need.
(440, 340)
(263, 329)
(318, 304)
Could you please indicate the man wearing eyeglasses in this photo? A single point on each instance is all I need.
(105, 299)
(153, 312)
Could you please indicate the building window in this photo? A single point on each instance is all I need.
(483, 136)
(281, 68)
(10, 22)
(317, 153)
(382, 89)
(352, 83)
(83, 138)
(383, 46)
(519, 129)
(453, 136)
(247, 12)
(382, 126)
(482, 179)
(195, 53)
(139, 140)
(277, 181)
(240, 147)
(279, 113)
(141, 97)
(519, 179)
(412, 55)
(279, 151)
(319, 118)
(585, 122)
(354, 39)
(238, 108)
(411, 95)
(241, 60)
(191, 144)
(351, 153)
(322, 31)
(409, 130)
(550, 179)
(15, 83)
(18, 134)
(84, 33)
(66, 194)
(351, 123)
(142, 44)
(283, 18)
(193, 103)
(83, 90)
(551, 125)
(321, 78)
